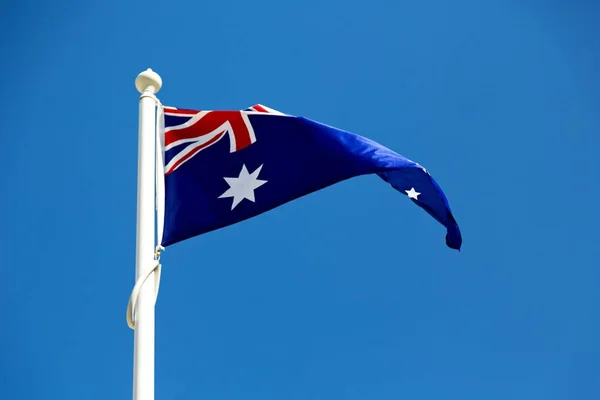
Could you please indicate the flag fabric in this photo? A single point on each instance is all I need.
(223, 167)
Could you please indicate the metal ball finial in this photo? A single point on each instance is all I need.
(148, 80)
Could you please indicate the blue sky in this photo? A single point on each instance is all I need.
(348, 293)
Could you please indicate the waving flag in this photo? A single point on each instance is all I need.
(223, 167)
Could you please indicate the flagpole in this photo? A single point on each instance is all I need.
(148, 83)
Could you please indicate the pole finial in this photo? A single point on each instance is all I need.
(148, 80)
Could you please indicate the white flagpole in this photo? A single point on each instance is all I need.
(148, 83)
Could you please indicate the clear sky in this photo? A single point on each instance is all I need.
(350, 292)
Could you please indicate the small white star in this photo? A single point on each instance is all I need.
(412, 194)
(243, 187)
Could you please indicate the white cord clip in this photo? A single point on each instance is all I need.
(138, 286)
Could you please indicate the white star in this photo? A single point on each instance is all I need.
(412, 194)
(243, 187)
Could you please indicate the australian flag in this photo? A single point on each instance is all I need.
(223, 167)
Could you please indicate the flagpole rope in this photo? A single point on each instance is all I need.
(157, 267)
(138, 286)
